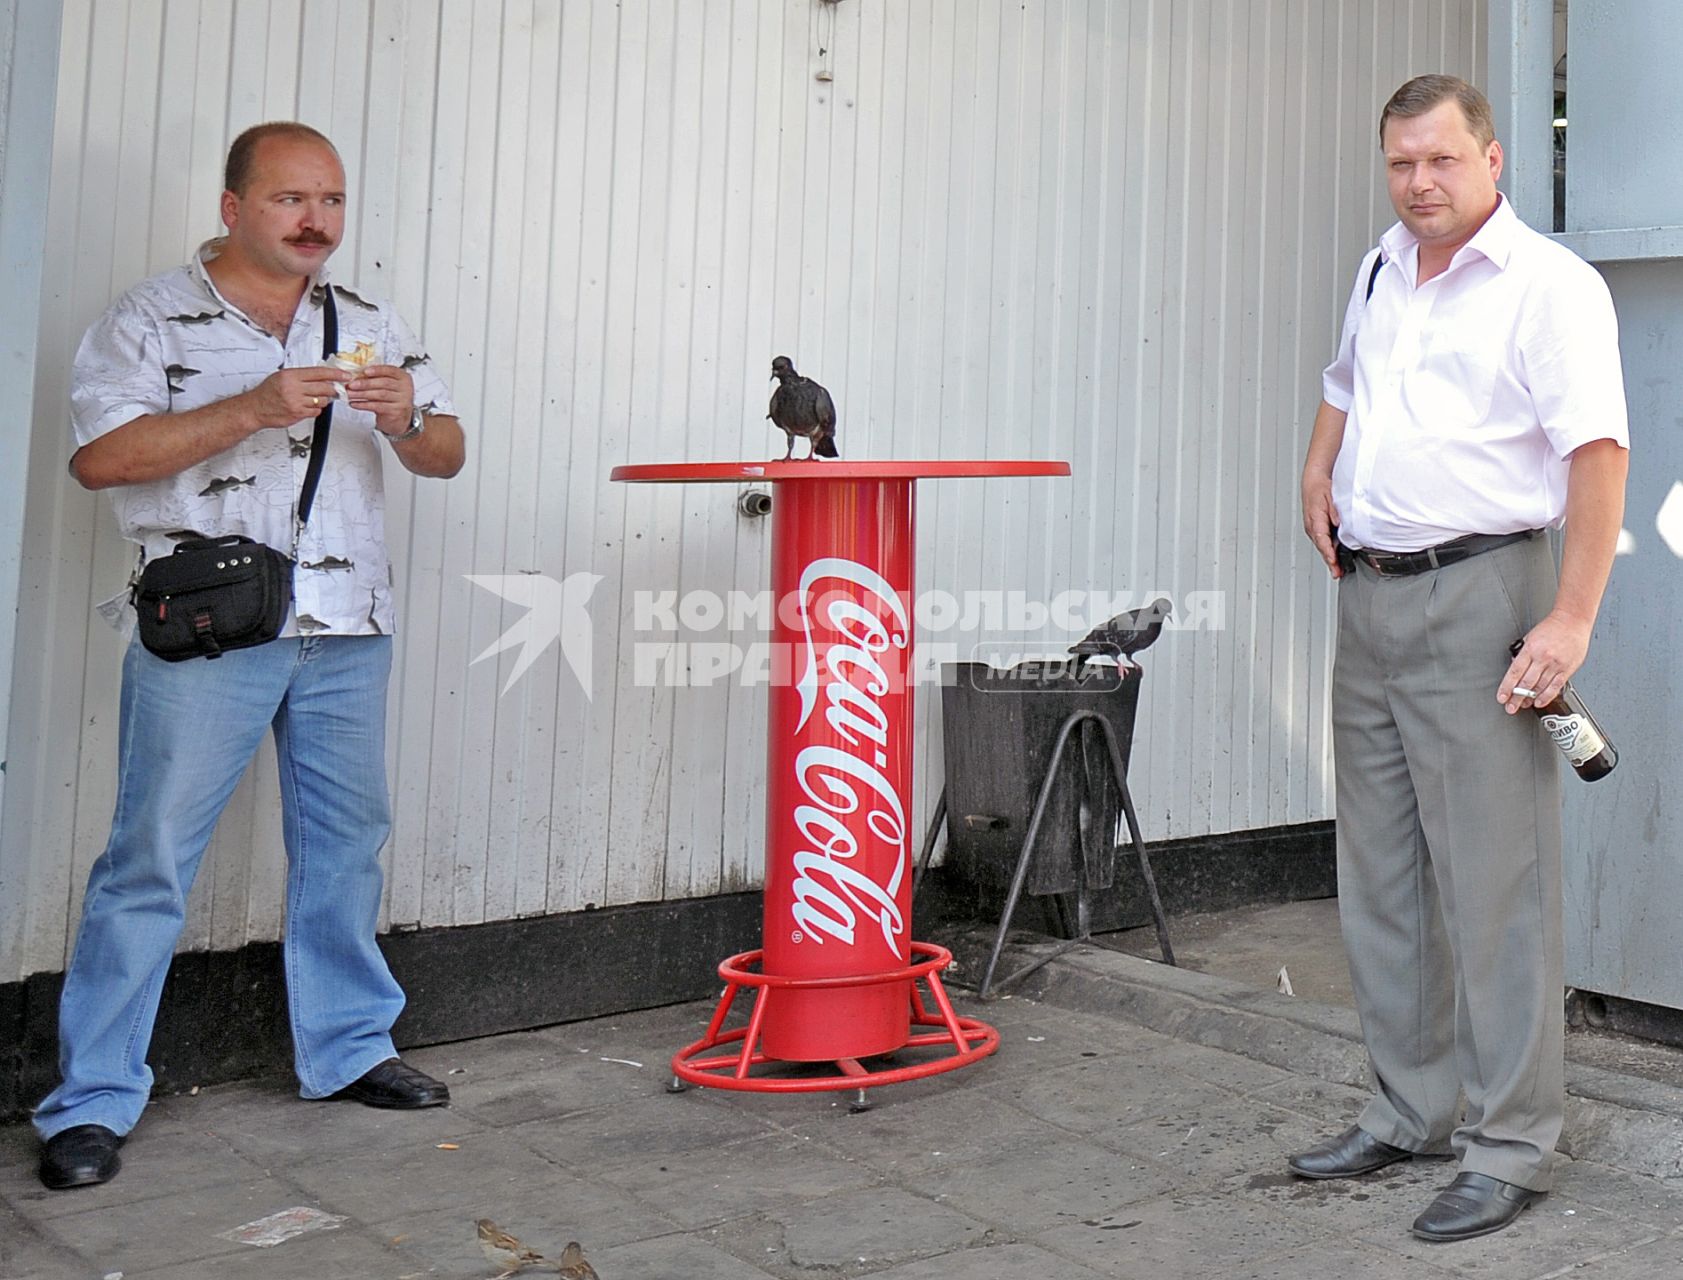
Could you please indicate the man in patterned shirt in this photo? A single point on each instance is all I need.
(193, 402)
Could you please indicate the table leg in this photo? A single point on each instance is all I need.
(839, 759)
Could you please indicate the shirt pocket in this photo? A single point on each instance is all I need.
(1452, 390)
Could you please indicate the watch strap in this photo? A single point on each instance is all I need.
(417, 424)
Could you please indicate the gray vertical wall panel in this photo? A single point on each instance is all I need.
(1622, 839)
(1621, 834)
(1117, 231)
(29, 37)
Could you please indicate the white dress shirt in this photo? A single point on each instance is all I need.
(174, 343)
(1467, 393)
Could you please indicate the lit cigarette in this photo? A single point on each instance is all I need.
(1525, 693)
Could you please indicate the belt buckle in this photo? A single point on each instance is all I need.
(1376, 562)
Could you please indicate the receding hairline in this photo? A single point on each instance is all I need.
(241, 164)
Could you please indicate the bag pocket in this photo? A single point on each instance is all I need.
(212, 595)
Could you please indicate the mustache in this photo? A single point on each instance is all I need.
(309, 237)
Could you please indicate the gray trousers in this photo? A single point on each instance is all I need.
(1449, 841)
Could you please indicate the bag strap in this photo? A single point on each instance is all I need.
(324, 420)
(1378, 261)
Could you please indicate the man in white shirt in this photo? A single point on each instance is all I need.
(1476, 399)
(193, 401)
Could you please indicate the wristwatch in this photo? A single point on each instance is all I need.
(417, 424)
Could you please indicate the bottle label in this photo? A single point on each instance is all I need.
(1576, 736)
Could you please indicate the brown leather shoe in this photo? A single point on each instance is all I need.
(1349, 1155)
(82, 1156)
(396, 1085)
(1475, 1204)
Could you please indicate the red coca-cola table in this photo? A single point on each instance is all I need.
(837, 978)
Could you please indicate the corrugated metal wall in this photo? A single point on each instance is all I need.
(1114, 231)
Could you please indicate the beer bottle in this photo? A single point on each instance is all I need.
(1575, 731)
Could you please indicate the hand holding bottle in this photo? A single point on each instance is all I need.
(1573, 729)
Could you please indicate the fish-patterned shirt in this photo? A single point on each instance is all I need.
(174, 343)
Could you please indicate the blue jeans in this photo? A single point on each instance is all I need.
(187, 732)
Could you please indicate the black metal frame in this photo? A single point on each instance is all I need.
(1083, 930)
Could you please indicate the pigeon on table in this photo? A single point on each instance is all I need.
(800, 407)
(1125, 634)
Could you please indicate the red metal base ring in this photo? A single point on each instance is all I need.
(971, 1039)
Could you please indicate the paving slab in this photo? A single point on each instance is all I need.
(854, 1233)
(1340, 1260)
(1216, 1137)
(1633, 1122)
(675, 1257)
(905, 1138)
(1103, 1098)
(1645, 1199)
(472, 1174)
(751, 1175)
(272, 1128)
(26, 1251)
(1185, 1235)
(1032, 1186)
(1015, 1261)
(657, 1128)
(1135, 1123)
(445, 1241)
(1555, 1236)
(1660, 1259)
(167, 1232)
(326, 1255)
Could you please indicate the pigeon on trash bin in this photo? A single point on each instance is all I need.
(1125, 634)
(503, 1250)
(800, 407)
(573, 1265)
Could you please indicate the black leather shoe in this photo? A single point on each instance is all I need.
(397, 1085)
(83, 1156)
(1349, 1155)
(1475, 1204)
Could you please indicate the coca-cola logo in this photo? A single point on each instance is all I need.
(865, 622)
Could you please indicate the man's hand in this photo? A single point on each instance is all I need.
(290, 396)
(1320, 516)
(1554, 650)
(387, 392)
(1320, 519)
(158, 445)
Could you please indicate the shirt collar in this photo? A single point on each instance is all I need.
(211, 248)
(1493, 241)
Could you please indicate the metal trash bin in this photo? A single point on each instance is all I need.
(999, 727)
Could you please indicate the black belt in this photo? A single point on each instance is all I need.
(1401, 564)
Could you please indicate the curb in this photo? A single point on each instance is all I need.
(1627, 1122)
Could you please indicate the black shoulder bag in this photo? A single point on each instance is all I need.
(215, 594)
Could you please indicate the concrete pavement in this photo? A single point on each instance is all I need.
(1135, 1123)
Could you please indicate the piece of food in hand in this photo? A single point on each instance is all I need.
(353, 362)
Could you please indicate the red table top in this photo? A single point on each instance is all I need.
(885, 469)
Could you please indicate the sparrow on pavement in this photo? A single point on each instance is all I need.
(504, 1250)
(573, 1266)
